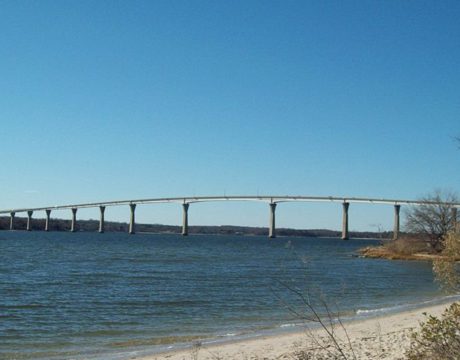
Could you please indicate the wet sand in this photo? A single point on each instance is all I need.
(383, 337)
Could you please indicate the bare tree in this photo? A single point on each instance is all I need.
(433, 220)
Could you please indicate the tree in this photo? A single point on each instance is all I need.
(434, 219)
(444, 267)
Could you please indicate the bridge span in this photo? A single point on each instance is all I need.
(186, 201)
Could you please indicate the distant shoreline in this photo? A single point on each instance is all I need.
(112, 226)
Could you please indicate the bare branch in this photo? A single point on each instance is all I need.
(327, 324)
(433, 221)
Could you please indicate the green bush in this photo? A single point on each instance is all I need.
(438, 338)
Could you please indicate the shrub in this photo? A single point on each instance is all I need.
(438, 338)
(446, 268)
(407, 245)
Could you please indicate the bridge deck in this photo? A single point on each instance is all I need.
(264, 198)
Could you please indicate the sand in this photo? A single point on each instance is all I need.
(384, 337)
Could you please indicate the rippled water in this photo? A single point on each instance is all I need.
(71, 295)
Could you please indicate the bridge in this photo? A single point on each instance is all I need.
(272, 201)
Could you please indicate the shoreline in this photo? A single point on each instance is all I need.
(91, 225)
(380, 252)
(386, 336)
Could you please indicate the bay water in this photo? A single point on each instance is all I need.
(115, 296)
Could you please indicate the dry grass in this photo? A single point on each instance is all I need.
(405, 248)
(408, 246)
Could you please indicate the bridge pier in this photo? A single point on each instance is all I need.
(74, 220)
(47, 221)
(29, 220)
(132, 220)
(185, 219)
(272, 227)
(396, 223)
(345, 207)
(12, 214)
(454, 218)
(101, 219)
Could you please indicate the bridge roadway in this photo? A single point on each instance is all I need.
(186, 201)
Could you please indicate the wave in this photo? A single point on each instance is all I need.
(166, 340)
(289, 325)
(407, 306)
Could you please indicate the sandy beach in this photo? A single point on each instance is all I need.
(383, 337)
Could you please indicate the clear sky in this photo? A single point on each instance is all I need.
(105, 100)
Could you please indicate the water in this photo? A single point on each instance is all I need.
(94, 296)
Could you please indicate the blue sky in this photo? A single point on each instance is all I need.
(104, 100)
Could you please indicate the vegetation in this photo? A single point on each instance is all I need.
(405, 248)
(407, 245)
(438, 338)
(446, 267)
(430, 221)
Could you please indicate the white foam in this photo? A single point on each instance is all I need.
(406, 306)
(287, 325)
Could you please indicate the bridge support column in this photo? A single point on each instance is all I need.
(74, 220)
(47, 221)
(272, 227)
(12, 220)
(185, 219)
(101, 219)
(396, 223)
(29, 220)
(132, 221)
(345, 207)
(455, 219)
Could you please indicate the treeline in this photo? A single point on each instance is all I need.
(20, 223)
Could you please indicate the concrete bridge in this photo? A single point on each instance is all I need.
(272, 201)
